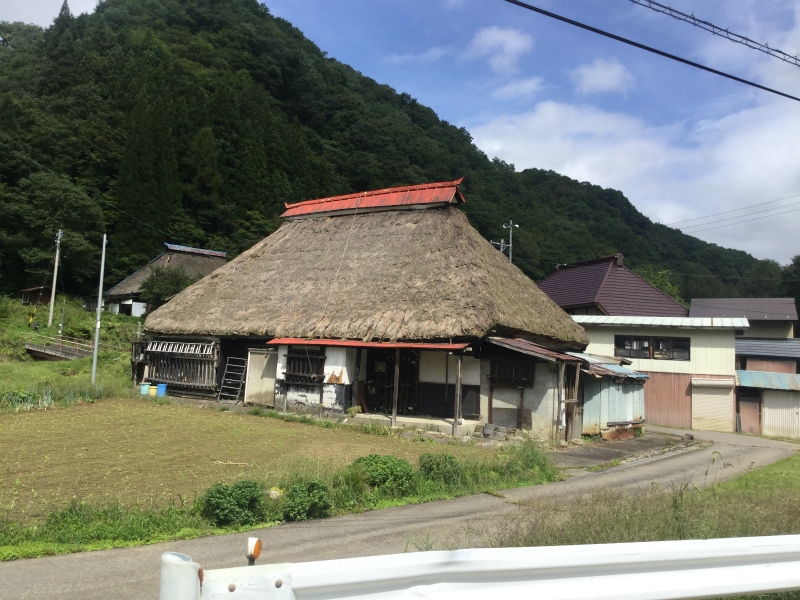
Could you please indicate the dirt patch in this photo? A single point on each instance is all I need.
(139, 452)
(615, 451)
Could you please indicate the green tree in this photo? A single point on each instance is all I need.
(662, 280)
(162, 284)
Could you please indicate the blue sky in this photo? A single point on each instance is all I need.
(678, 142)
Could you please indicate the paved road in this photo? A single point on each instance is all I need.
(133, 573)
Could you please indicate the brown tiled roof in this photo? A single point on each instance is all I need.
(606, 283)
(754, 309)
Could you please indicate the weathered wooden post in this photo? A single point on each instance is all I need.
(457, 403)
(396, 385)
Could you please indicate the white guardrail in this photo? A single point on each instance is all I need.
(646, 571)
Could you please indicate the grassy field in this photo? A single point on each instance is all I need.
(139, 452)
(117, 330)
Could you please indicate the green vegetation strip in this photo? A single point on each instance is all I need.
(372, 481)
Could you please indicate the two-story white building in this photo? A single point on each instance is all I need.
(690, 364)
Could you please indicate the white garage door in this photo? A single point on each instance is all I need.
(712, 404)
(781, 416)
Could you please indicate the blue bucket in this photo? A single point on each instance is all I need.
(145, 389)
(161, 390)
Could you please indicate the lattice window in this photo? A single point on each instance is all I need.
(305, 365)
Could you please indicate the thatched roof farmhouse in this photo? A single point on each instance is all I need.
(195, 262)
(366, 283)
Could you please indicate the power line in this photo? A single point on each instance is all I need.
(87, 192)
(725, 212)
(757, 212)
(648, 48)
(745, 221)
(721, 32)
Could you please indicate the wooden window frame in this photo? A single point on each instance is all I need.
(511, 372)
(652, 344)
(305, 365)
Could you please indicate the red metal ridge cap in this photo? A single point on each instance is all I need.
(445, 192)
(359, 344)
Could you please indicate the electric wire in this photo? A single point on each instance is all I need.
(648, 48)
(740, 222)
(725, 212)
(757, 212)
(719, 31)
(107, 202)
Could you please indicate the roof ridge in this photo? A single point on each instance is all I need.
(366, 194)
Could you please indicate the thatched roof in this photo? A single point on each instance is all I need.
(421, 274)
(196, 262)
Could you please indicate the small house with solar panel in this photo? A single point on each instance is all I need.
(388, 301)
(123, 298)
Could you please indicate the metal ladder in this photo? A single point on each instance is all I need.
(233, 379)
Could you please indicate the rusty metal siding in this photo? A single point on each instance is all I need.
(781, 413)
(773, 365)
(750, 416)
(668, 399)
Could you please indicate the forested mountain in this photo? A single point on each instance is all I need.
(202, 117)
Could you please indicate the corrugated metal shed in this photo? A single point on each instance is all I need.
(768, 381)
(682, 322)
(755, 309)
(419, 196)
(598, 366)
(785, 348)
(606, 283)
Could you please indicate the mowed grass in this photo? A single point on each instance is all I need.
(139, 452)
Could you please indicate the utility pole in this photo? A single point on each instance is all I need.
(510, 226)
(55, 274)
(501, 245)
(99, 304)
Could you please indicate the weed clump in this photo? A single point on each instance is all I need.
(443, 468)
(308, 500)
(242, 503)
(389, 475)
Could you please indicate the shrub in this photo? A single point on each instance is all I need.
(308, 500)
(388, 474)
(239, 504)
(350, 489)
(444, 468)
(528, 461)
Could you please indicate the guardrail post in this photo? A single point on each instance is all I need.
(180, 577)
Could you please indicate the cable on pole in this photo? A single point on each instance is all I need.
(719, 31)
(648, 48)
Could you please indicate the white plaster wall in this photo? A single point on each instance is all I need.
(138, 309)
(542, 399)
(433, 366)
(113, 308)
(340, 362)
(484, 372)
(280, 370)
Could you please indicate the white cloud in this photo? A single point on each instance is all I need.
(503, 48)
(429, 56)
(519, 88)
(669, 173)
(602, 76)
(41, 12)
